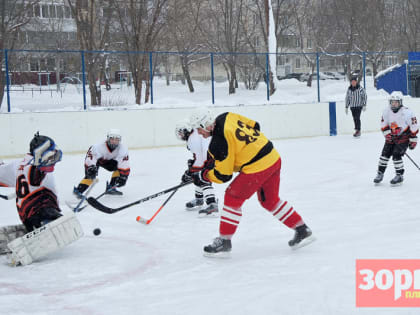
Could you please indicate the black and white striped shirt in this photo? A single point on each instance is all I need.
(356, 96)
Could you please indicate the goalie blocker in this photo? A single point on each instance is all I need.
(45, 240)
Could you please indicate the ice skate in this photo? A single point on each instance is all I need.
(357, 134)
(211, 211)
(77, 193)
(303, 236)
(195, 204)
(114, 192)
(219, 248)
(397, 180)
(379, 177)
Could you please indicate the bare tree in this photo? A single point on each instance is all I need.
(93, 34)
(408, 27)
(221, 29)
(140, 23)
(182, 26)
(14, 15)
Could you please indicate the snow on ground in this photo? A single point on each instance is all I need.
(289, 91)
(159, 269)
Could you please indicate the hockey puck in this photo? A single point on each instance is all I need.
(97, 231)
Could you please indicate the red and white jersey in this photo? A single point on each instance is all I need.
(100, 152)
(34, 189)
(403, 121)
(198, 145)
(8, 173)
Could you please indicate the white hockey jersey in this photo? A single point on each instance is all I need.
(34, 189)
(8, 173)
(100, 152)
(198, 145)
(403, 121)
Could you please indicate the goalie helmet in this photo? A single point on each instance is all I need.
(201, 118)
(183, 130)
(395, 101)
(113, 139)
(45, 152)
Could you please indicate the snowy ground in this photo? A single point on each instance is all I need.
(159, 269)
(290, 91)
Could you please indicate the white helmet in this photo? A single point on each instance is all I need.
(201, 118)
(113, 134)
(183, 130)
(396, 96)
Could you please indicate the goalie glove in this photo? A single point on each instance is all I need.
(186, 177)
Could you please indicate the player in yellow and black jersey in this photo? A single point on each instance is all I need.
(238, 145)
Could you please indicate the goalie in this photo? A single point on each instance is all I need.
(44, 228)
(111, 155)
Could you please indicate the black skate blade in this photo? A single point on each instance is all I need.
(304, 242)
(222, 255)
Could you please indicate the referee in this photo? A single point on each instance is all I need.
(356, 100)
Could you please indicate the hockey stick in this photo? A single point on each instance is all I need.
(412, 161)
(144, 221)
(99, 206)
(79, 207)
(9, 196)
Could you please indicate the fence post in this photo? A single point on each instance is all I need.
(151, 76)
(267, 76)
(317, 76)
(6, 57)
(83, 79)
(212, 77)
(364, 70)
(333, 119)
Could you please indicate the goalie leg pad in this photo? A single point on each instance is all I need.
(45, 240)
(8, 234)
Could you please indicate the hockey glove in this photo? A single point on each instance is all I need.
(388, 136)
(91, 172)
(190, 163)
(186, 177)
(413, 143)
(200, 178)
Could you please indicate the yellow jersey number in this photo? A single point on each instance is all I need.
(246, 133)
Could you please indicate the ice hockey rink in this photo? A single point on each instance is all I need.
(131, 268)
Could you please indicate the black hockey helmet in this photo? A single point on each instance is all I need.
(37, 141)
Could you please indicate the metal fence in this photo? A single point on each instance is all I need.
(57, 79)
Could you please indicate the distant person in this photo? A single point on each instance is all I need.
(355, 99)
(399, 126)
(238, 145)
(205, 200)
(111, 155)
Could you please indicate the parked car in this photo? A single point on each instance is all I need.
(292, 75)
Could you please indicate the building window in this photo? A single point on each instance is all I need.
(297, 42)
(309, 43)
(297, 63)
(67, 12)
(34, 66)
(37, 11)
(44, 11)
(52, 11)
(60, 11)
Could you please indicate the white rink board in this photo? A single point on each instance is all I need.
(76, 131)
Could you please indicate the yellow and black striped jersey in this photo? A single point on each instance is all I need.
(237, 145)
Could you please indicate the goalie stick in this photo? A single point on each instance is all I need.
(9, 196)
(99, 206)
(144, 221)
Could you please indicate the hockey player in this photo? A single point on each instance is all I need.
(237, 145)
(38, 207)
(399, 126)
(111, 155)
(205, 199)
